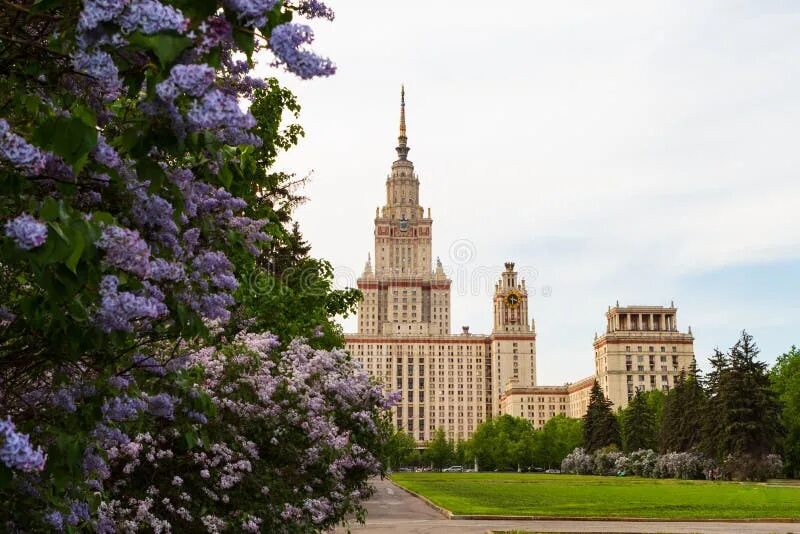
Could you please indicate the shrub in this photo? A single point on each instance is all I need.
(578, 462)
(641, 463)
(684, 465)
(606, 459)
(748, 467)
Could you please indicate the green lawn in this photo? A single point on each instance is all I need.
(590, 496)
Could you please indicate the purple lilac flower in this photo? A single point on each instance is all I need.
(214, 306)
(161, 405)
(55, 520)
(16, 450)
(78, 511)
(121, 382)
(237, 137)
(104, 154)
(178, 363)
(100, 66)
(197, 416)
(190, 79)
(251, 230)
(118, 309)
(95, 465)
(251, 12)
(320, 509)
(285, 42)
(217, 109)
(217, 266)
(65, 398)
(96, 12)
(149, 364)
(122, 408)
(26, 157)
(28, 232)
(125, 250)
(109, 436)
(151, 16)
(213, 31)
(315, 9)
(155, 213)
(161, 269)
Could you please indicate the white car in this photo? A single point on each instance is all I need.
(453, 469)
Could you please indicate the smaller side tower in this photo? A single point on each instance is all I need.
(641, 349)
(513, 338)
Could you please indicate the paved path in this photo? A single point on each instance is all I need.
(393, 511)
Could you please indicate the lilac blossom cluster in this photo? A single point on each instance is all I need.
(251, 12)
(16, 451)
(21, 154)
(125, 250)
(26, 231)
(285, 43)
(315, 9)
(119, 310)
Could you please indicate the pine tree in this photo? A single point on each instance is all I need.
(638, 424)
(713, 418)
(743, 411)
(600, 426)
(684, 412)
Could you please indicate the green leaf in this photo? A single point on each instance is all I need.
(245, 39)
(57, 227)
(72, 138)
(165, 46)
(103, 217)
(196, 9)
(152, 171)
(226, 176)
(78, 244)
(50, 209)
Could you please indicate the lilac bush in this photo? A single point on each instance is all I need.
(578, 462)
(606, 461)
(684, 465)
(134, 212)
(640, 463)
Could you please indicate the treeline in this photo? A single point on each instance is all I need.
(502, 443)
(734, 418)
(732, 422)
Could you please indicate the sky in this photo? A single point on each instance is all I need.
(640, 152)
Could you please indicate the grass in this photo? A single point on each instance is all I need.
(513, 494)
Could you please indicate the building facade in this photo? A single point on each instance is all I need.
(456, 381)
(641, 349)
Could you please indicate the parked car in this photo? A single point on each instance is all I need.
(453, 469)
(553, 471)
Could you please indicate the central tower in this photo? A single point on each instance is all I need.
(403, 295)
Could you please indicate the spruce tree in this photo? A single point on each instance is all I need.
(669, 432)
(693, 410)
(684, 412)
(713, 423)
(742, 416)
(638, 424)
(600, 426)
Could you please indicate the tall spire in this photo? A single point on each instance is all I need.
(402, 147)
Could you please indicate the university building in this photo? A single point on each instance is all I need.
(457, 381)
